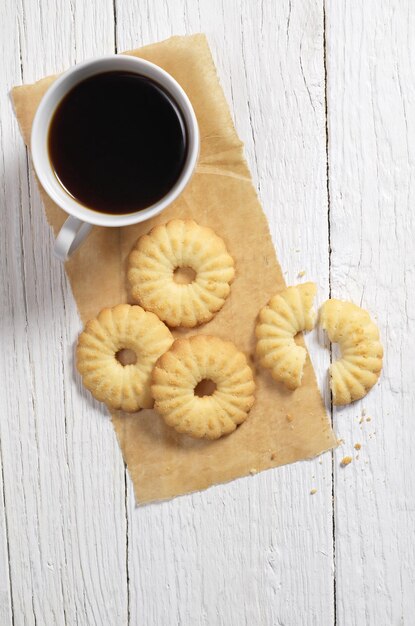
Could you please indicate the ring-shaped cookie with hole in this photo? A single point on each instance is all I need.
(153, 264)
(180, 371)
(285, 315)
(124, 327)
(360, 364)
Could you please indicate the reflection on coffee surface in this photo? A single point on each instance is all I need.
(117, 142)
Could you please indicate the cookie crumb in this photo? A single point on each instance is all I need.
(361, 420)
(340, 442)
(357, 446)
(313, 491)
(368, 419)
(345, 461)
(289, 417)
(363, 412)
(253, 471)
(301, 274)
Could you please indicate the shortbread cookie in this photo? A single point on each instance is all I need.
(181, 244)
(123, 327)
(286, 314)
(189, 364)
(360, 364)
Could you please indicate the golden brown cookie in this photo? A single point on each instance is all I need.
(153, 266)
(124, 327)
(188, 366)
(360, 364)
(285, 315)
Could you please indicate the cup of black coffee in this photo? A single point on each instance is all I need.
(114, 142)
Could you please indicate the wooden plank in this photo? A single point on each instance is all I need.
(63, 474)
(259, 550)
(6, 608)
(12, 163)
(371, 86)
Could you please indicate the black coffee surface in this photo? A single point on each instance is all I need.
(117, 142)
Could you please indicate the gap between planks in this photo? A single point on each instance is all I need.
(333, 487)
(126, 500)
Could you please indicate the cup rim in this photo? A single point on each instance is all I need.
(54, 95)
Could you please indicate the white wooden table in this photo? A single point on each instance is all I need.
(323, 95)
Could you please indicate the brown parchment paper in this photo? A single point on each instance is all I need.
(162, 463)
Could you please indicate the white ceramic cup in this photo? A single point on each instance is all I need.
(81, 219)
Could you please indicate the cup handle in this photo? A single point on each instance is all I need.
(70, 236)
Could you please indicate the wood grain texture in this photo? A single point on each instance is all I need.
(73, 547)
(371, 89)
(6, 603)
(6, 131)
